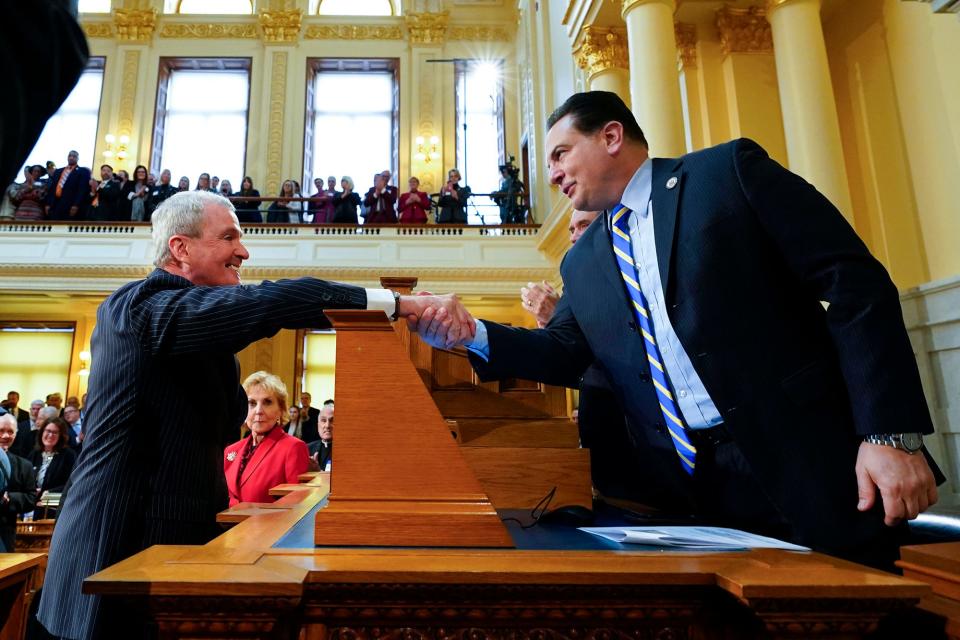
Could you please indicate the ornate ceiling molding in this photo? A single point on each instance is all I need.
(481, 33)
(135, 25)
(280, 27)
(97, 29)
(686, 35)
(427, 28)
(352, 32)
(602, 49)
(194, 30)
(744, 30)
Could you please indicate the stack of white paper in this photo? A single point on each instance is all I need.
(691, 538)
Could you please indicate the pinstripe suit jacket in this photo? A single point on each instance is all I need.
(164, 400)
(746, 251)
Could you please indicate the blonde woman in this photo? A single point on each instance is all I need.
(268, 456)
(345, 203)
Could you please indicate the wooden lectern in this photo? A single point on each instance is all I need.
(400, 480)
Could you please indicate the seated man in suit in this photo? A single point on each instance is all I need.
(165, 398)
(748, 402)
(309, 415)
(67, 195)
(321, 450)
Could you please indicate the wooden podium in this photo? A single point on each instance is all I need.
(399, 480)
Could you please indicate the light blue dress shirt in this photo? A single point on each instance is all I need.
(699, 411)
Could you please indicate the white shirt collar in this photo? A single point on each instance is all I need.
(637, 194)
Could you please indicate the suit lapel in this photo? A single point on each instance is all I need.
(665, 203)
(231, 472)
(262, 449)
(606, 261)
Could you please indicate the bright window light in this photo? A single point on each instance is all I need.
(480, 149)
(74, 126)
(221, 7)
(94, 6)
(206, 124)
(353, 126)
(355, 8)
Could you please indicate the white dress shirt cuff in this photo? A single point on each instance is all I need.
(381, 300)
(480, 344)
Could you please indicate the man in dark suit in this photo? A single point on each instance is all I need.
(68, 192)
(165, 398)
(748, 401)
(105, 196)
(310, 416)
(321, 450)
(13, 406)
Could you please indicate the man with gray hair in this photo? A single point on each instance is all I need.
(165, 398)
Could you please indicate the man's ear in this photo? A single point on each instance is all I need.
(178, 248)
(613, 138)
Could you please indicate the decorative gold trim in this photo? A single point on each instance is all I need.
(97, 29)
(427, 28)
(352, 32)
(602, 49)
(744, 30)
(280, 26)
(278, 84)
(128, 91)
(480, 33)
(191, 30)
(135, 25)
(686, 35)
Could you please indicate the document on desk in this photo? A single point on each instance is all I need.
(691, 538)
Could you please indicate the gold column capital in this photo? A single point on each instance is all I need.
(630, 5)
(427, 28)
(134, 25)
(280, 26)
(686, 35)
(602, 49)
(744, 30)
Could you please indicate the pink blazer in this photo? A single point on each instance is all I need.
(279, 459)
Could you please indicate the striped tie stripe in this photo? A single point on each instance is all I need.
(628, 270)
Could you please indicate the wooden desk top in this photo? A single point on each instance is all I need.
(13, 563)
(244, 558)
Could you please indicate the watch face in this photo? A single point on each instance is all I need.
(912, 441)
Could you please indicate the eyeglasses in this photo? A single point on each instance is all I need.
(52, 432)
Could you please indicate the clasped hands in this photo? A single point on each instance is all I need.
(442, 321)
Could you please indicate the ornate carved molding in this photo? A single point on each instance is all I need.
(352, 32)
(744, 30)
(628, 5)
(190, 30)
(97, 29)
(427, 28)
(278, 84)
(128, 91)
(686, 35)
(135, 25)
(482, 33)
(280, 26)
(602, 49)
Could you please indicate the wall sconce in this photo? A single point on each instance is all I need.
(429, 153)
(85, 361)
(120, 152)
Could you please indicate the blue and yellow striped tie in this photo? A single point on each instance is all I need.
(624, 253)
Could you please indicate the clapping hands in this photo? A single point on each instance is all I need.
(442, 321)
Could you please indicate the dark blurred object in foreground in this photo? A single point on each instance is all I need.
(43, 52)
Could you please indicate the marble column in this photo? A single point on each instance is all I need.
(654, 80)
(810, 123)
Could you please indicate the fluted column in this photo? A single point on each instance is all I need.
(654, 81)
(810, 123)
(602, 53)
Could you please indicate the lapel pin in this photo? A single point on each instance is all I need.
(231, 456)
(672, 182)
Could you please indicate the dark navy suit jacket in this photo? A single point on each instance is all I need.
(746, 251)
(75, 193)
(164, 401)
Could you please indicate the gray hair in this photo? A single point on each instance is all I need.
(48, 413)
(181, 215)
(8, 417)
(349, 182)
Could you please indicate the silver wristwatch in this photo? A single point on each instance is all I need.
(909, 442)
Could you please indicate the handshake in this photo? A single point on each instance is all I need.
(442, 321)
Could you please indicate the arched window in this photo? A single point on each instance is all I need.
(356, 7)
(94, 6)
(219, 7)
